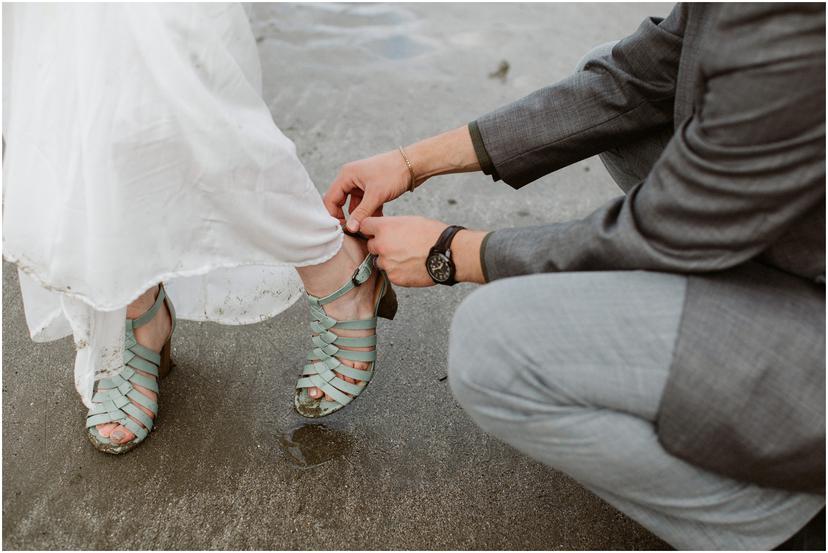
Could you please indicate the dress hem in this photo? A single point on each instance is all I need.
(166, 277)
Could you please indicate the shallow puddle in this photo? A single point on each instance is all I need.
(311, 445)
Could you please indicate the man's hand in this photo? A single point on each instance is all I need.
(370, 183)
(401, 245)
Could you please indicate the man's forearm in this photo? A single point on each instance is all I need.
(450, 152)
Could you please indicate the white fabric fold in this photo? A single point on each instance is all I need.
(139, 150)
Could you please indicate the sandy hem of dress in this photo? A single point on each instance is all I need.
(165, 277)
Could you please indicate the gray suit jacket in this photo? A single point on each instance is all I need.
(736, 201)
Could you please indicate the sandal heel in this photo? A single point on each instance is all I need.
(166, 360)
(388, 304)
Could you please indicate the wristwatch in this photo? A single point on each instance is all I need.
(439, 263)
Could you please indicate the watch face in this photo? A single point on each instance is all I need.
(439, 267)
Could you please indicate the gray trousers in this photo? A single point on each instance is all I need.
(569, 368)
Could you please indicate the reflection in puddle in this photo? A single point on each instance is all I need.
(311, 445)
(398, 47)
(390, 31)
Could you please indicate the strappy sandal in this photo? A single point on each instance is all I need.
(322, 370)
(112, 395)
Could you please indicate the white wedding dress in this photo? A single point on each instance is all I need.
(138, 149)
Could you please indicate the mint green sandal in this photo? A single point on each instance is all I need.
(320, 372)
(112, 395)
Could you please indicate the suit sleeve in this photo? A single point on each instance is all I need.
(736, 175)
(612, 100)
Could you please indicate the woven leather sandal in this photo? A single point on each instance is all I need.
(322, 370)
(112, 395)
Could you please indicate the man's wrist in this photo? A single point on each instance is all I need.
(465, 252)
(450, 152)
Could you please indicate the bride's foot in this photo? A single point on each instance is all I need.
(344, 306)
(152, 336)
(356, 304)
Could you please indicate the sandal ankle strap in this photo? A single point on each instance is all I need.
(360, 276)
(151, 312)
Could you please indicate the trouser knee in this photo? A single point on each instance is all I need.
(475, 359)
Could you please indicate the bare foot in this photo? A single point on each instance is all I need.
(153, 336)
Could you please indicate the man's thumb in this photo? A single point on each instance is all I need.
(365, 209)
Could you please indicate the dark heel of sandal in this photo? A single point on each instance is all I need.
(166, 360)
(388, 304)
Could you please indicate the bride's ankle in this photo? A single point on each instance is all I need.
(325, 278)
(355, 246)
(142, 304)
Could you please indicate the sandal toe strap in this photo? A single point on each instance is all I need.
(139, 431)
(143, 365)
(331, 388)
(113, 405)
(329, 338)
(105, 418)
(324, 376)
(320, 354)
(143, 400)
(145, 382)
(356, 374)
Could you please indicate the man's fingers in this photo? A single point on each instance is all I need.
(331, 204)
(339, 215)
(356, 199)
(373, 245)
(334, 199)
(366, 208)
(371, 226)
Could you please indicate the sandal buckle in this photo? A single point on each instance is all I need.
(354, 277)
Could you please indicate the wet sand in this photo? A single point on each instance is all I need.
(230, 464)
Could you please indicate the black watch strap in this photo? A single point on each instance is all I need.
(444, 242)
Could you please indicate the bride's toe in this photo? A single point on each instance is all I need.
(121, 435)
(105, 430)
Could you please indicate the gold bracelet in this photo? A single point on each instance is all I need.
(410, 170)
